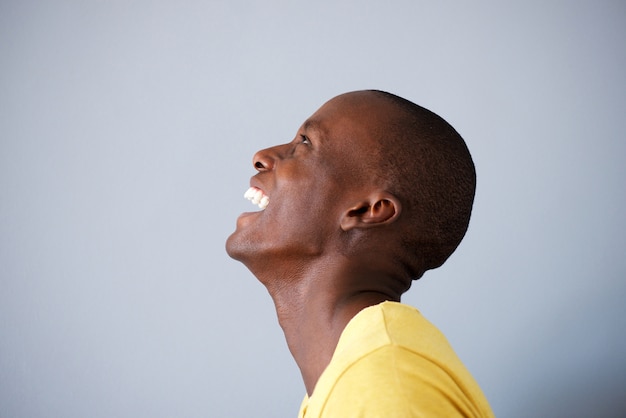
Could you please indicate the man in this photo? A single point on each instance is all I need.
(372, 192)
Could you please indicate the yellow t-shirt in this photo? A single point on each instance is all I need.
(391, 362)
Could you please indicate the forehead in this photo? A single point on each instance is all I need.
(348, 133)
(354, 120)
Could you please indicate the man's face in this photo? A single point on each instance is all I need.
(308, 184)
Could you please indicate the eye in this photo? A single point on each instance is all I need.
(305, 140)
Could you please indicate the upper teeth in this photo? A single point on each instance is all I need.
(256, 196)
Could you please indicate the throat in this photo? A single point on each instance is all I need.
(313, 326)
(312, 329)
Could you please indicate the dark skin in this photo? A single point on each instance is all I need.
(324, 246)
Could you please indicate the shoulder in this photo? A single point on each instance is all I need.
(394, 381)
(409, 371)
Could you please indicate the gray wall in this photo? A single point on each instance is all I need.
(126, 134)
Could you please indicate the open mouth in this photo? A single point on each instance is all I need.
(257, 197)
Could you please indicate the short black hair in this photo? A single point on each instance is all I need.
(426, 164)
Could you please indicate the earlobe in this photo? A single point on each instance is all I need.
(381, 209)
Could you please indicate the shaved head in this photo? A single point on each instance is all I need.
(426, 164)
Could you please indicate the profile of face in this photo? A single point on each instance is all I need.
(305, 187)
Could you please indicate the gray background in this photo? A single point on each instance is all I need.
(126, 135)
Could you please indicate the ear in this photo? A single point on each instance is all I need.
(379, 209)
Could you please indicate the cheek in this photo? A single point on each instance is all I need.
(305, 221)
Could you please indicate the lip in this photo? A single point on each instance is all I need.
(254, 182)
(246, 217)
(247, 214)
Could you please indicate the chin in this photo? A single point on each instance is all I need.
(240, 249)
(232, 247)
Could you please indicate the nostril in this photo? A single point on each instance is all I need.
(262, 161)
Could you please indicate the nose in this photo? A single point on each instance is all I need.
(264, 160)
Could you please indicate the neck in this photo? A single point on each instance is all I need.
(313, 312)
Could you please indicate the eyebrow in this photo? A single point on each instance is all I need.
(315, 126)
